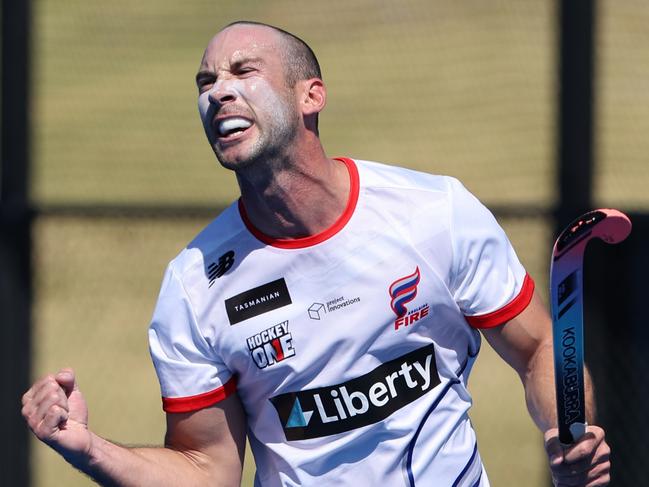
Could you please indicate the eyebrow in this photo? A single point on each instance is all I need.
(204, 74)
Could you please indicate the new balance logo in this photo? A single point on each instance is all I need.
(358, 402)
(216, 270)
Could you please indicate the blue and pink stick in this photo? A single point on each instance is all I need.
(566, 297)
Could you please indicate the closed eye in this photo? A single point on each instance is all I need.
(243, 70)
(204, 80)
(245, 66)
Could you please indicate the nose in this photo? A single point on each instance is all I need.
(222, 92)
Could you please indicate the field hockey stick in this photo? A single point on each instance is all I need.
(566, 284)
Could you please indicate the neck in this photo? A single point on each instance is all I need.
(294, 197)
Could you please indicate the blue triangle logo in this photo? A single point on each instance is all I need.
(298, 418)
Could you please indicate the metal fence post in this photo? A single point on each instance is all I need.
(15, 241)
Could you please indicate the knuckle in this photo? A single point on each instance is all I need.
(48, 383)
(53, 410)
(33, 424)
(582, 451)
(25, 397)
(53, 397)
(603, 468)
(598, 477)
(599, 433)
(606, 449)
(41, 432)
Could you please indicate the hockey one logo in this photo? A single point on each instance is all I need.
(403, 291)
(358, 402)
(272, 345)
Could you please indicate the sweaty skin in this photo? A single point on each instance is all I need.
(289, 187)
(240, 91)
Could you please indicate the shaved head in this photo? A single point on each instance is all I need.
(300, 62)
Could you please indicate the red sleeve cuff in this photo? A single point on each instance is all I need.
(507, 312)
(199, 401)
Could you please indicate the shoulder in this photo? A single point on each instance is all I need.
(217, 239)
(381, 175)
(431, 194)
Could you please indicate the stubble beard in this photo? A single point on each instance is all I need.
(273, 143)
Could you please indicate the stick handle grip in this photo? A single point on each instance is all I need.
(577, 430)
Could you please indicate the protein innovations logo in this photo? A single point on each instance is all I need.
(402, 291)
(317, 311)
(257, 301)
(358, 402)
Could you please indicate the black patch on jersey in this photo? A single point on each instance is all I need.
(257, 301)
(358, 402)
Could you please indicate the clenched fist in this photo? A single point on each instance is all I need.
(57, 414)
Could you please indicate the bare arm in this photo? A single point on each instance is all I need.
(205, 447)
(525, 343)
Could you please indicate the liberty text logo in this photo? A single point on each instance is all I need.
(359, 402)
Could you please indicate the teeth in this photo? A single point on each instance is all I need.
(230, 125)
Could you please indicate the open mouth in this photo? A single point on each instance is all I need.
(232, 127)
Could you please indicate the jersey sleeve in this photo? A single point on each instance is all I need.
(488, 281)
(191, 376)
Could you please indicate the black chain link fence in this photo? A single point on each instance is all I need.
(123, 178)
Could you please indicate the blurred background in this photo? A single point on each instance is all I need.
(121, 178)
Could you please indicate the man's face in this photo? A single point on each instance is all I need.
(248, 111)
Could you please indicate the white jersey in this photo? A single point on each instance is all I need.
(350, 349)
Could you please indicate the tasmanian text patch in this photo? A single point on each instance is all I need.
(256, 301)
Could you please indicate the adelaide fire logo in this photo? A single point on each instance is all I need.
(402, 291)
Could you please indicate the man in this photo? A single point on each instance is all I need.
(332, 311)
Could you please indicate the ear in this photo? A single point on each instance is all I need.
(313, 97)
